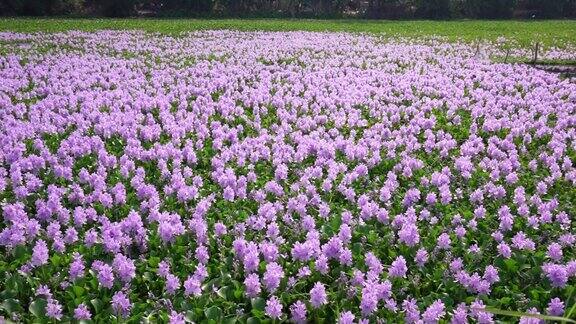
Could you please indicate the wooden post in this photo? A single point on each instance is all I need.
(507, 54)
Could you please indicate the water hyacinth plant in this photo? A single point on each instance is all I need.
(222, 176)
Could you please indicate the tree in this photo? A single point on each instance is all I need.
(187, 7)
(114, 8)
(434, 9)
(489, 8)
(547, 8)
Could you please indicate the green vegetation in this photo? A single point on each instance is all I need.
(558, 32)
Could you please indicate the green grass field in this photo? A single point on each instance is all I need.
(548, 32)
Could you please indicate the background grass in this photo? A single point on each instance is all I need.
(548, 32)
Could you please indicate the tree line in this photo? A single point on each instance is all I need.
(371, 9)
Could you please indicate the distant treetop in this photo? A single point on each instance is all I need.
(371, 9)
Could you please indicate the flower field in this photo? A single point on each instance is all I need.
(256, 177)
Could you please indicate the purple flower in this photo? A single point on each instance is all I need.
(491, 274)
(54, 309)
(408, 234)
(346, 318)
(444, 241)
(176, 318)
(555, 307)
(219, 229)
(411, 312)
(121, 304)
(398, 268)
(251, 257)
(104, 274)
(460, 315)
(531, 320)
(43, 290)
(369, 301)
(82, 312)
(504, 250)
(163, 269)
(274, 273)
(318, 295)
(40, 253)
(421, 257)
(434, 312)
(554, 252)
(273, 307)
(298, 312)
(192, 286)
(172, 284)
(77, 266)
(556, 273)
(124, 267)
(252, 283)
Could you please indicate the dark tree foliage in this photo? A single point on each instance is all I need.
(489, 8)
(184, 7)
(373, 9)
(548, 8)
(433, 9)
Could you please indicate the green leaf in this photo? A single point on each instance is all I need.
(38, 307)
(253, 320)
(213, 313)
(258, 303)
(511, 265)
(55, 260)
(11, 305)
(190, 316)
(505, 300)
(78, 291)
(20, 253)
(97, 303)
(226, 292)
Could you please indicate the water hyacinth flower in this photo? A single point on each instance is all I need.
(192, 286)
(346, 318)
(121, 304)
(176, 318)
(172, 284)
(434, 312)
(555, 307)
(54, 309)
(273, 307)
(82, 313)
(398, 268)
(252, 283)
(556, 274)
(274, 273)
(318, 295)
(298, 312)
(40, 253)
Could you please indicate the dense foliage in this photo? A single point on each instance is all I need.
(436, 9)
(268, 175)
